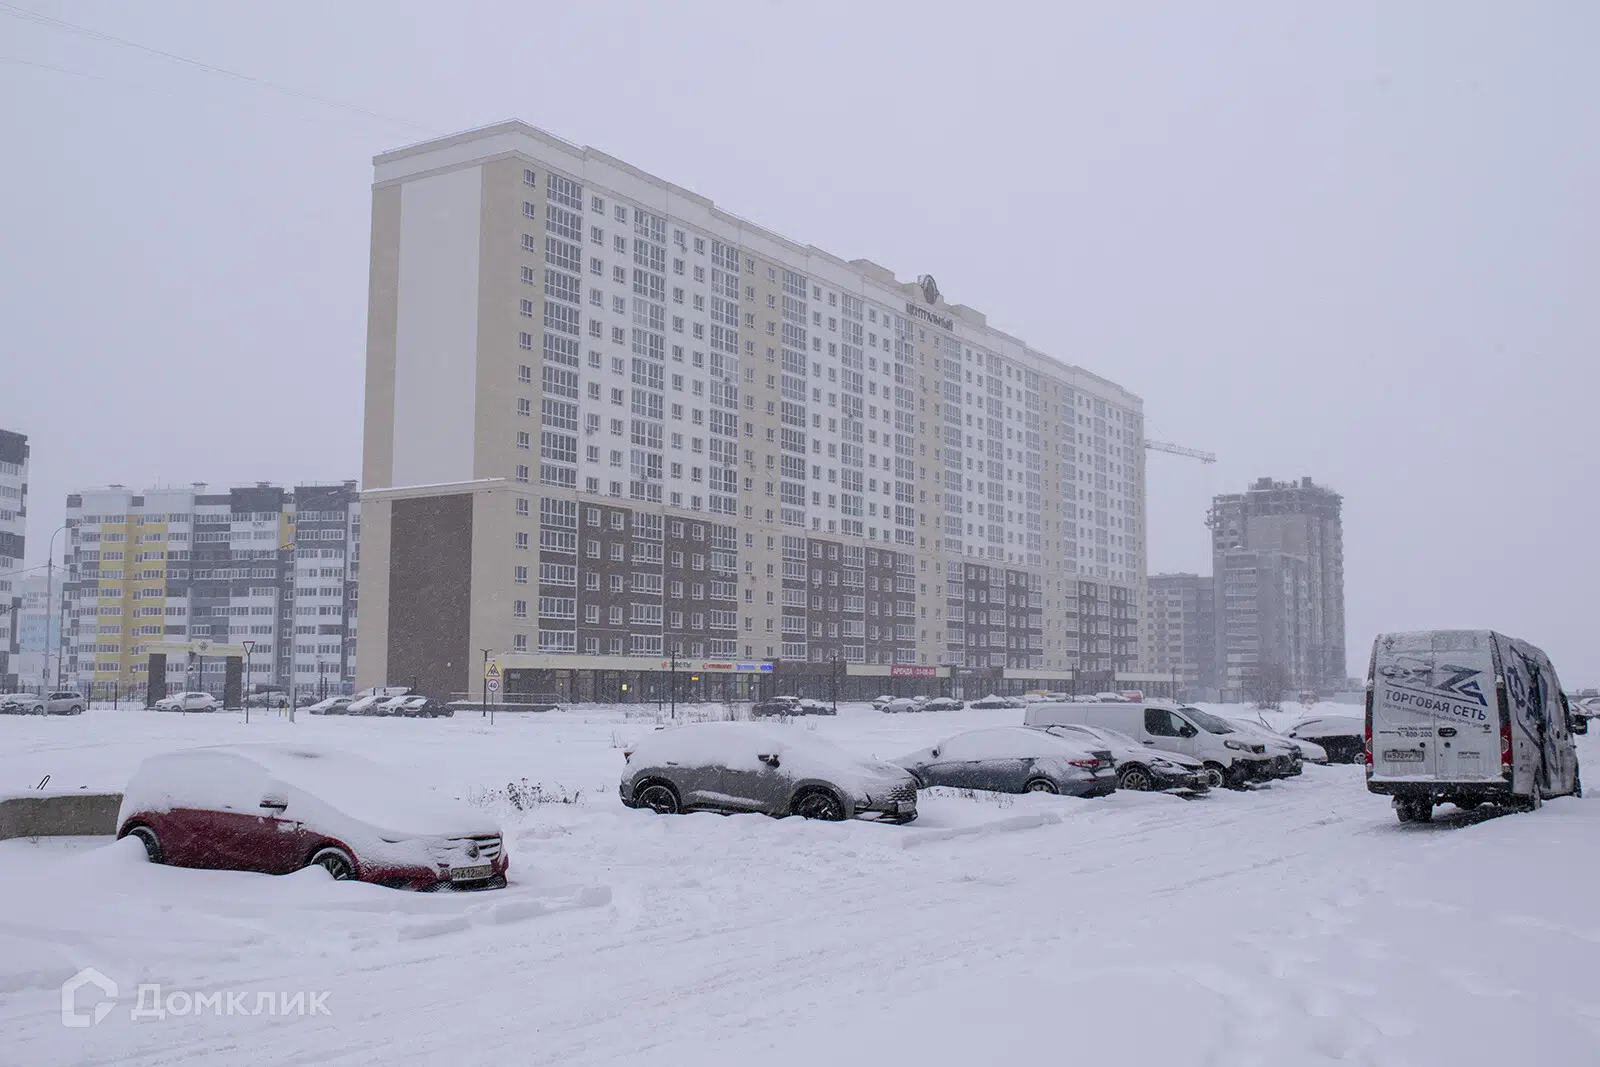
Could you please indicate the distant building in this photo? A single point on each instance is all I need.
(273, 566)
(38, 632)
(1181, 628)
(1278, 572)
(13, 527)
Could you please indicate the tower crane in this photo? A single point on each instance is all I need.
(1179, 450)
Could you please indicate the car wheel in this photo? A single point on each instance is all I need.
(1136, 779)
(38, 709)
(336, 861)
(1041, 785)
(148, 838)
(1216, 777)
(659, 797)
(818, 804)
(76, 709)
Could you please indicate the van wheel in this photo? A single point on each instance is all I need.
(1535, 798)
(1577, 784)
(1216, 776)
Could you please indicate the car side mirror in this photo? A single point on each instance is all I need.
(1580, 725)
(771, 760)
(1188, 731)
(934, 753)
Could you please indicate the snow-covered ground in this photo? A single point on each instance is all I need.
(1294, 924)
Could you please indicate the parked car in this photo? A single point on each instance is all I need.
(901, 705)
(879, 703)
(943, 704)
(1230, 758)
(271, 699)
(1014, 759)
(1342, 737)
(368, 701)
(418, 707)
(61, 702)
(1139, 768)
(187, 702)
(1278, 744)
(773, 706)
(758, 767)
(331, 706)
(994, 703)
(1464, 717)
(809, 706)
(277, 808)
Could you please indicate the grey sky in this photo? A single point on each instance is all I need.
(1358, 243)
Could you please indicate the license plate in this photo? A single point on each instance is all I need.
(471, 874)
(1402, 755)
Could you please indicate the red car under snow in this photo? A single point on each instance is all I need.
(277, 808)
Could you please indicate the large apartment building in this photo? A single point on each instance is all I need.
(1180, 631)
(13, 541)
(274, 567)
(612, 430)
(1278, 568)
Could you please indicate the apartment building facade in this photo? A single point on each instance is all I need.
(171, 570)
(658, 433)
(38, 631)
(1278, 568)
(1180, 631)
(13, 542)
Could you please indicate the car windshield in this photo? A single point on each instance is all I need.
(1208, 722)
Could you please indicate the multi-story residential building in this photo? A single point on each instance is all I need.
(273, 567)
(1278, 568)
(1180, 631)
(13, 541)
(658, 433)
(38, 631)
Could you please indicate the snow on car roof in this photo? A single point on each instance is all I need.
(738, 744)
(1008, 742)
(352, 785)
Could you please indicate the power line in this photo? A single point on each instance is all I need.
(71, 27)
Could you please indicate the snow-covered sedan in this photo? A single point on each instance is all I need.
(1014, 759)
(756, 767)
(943, 704)
(1342, 737)
(994, 703)
(1140, 769)
(331, 706)
(1280, 746)
(187, 702)
(278, 808)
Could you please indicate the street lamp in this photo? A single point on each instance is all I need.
(49, 574)
(836, 663)
(672, 679)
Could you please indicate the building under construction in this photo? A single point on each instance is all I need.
(1278, 571)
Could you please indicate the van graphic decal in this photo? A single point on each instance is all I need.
(1459, 684)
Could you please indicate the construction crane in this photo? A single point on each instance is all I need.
(1179, 450)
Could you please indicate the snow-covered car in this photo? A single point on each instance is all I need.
(271, 699)
(417, 706)
(1110, 698)
(775, 706)
(943, 704)
(1140, 769)
(330, 706)
(61, 702)
(773, 769)
(1280, 746)
(278, 808)
(1014, 759)
(901, 705)
(366, 701)
(1342, 737)
(993, 703)
(809, 706)
(879, 703)
(187, 702)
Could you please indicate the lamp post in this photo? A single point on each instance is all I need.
(672, 679)
(485, 711)
(49, 575)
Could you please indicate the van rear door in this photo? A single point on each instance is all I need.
(1431, 713)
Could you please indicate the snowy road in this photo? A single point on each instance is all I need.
(1293, 924)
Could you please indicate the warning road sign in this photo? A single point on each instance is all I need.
(491, 670)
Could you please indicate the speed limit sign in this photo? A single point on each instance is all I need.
(494, 686)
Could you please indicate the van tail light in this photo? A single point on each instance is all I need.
(1505, 745)
(1368, 730)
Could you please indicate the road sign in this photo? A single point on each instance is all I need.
(491, 671)
(249, 646)
(494, 686)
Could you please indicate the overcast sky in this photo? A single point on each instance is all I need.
(1360, 244)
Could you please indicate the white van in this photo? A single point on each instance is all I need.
(1463, 717)
(1231, 758)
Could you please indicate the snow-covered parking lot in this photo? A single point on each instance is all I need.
(1292, 924)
